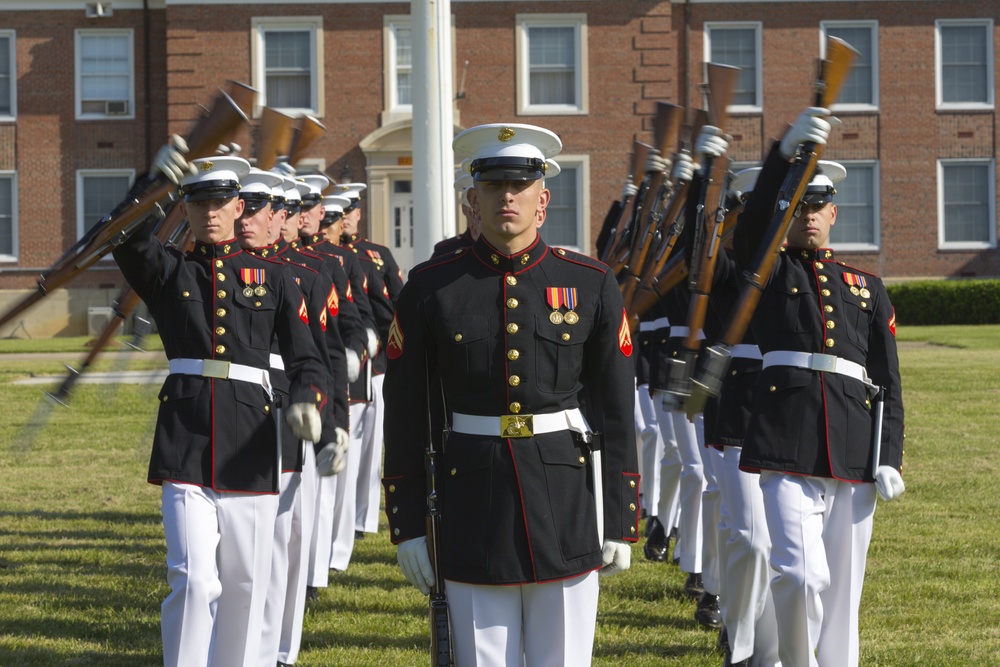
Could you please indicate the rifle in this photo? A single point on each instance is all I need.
(171, 230)
(711, 213)
(833, 71)
(630, 197)
(211, 130)
(306, 131)
(274, 135)
(614, 215)
(666, 130)
(440, 617)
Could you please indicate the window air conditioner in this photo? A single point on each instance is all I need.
(116, 107)
(98, 318)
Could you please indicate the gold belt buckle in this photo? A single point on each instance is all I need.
(516, 426)
(215, 368)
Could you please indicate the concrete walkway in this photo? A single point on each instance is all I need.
(74, 359)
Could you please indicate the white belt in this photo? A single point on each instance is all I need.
(223, 370)
(658, 323)
(683, 332)
(825, 363)
(745, 351)
(277, 362)
(520, 426)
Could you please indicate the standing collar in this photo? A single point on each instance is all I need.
(503, 263)
(806, 254)
(215, 250)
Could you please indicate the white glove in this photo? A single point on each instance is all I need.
(284, 169)
(170, 160)
(811, 125)
(416, 563)
(616, 556)
(372, 343)
(231, 149)
(683, 171)
(711, 143)
(888, 483)
(305, 422)
(333, 457)
(353, 365)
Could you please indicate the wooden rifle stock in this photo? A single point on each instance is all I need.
(274, 135)
(619, 231)
(666, 132)
(306, 131)
(834, 70)
(711, 213)
(647, 295)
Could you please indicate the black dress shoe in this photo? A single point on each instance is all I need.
(359, 534)
(707, 612)
(722, 644)
(746, 662)
(694, 587)
(312, 593)
(657, 545)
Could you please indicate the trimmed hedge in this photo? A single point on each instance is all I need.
(946, 301)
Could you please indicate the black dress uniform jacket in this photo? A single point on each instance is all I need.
(803, 421)
(213, 432)
(382, 257)
(450, 245)
(514, 510)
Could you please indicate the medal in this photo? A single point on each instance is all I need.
(248, 292)
(571, 317)
(260, 291)
(865, 293)
(854, 290)
(556, 317)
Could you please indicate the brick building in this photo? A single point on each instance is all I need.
(90, 89)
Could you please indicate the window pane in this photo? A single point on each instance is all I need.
(963, 64)
(858, 88)
(5, 75)
(287, 68)
(966, 205)
(100, 195)
(738, 47)
(404, 64)
(855, 207)
(6, 216)
(560, 226)
(552, 65)
(104, 67)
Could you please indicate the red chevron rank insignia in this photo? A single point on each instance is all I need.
(303, 312)
(625, 336)
(333, 302)
(892, 323)
(322, 319)
(394, 348)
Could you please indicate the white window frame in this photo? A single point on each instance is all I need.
(259, 25)
(987, 25)
(14, 241)
(876, 245)
(78, 36)
(82, 174)
(991, 198)
(757, 27)
(873, 30)
(11, 35)
(393, 107)
(581, 165)
(578, 22)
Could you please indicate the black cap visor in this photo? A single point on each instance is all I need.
(508, 169)
(207, 190)
(254, 201)
(816, 196)
(330, 218)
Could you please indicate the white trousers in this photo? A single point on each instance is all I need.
(711, 510)
(651, 452)
(531, 625)
(322, 530)
(274, 608)
(668, 503)
(218, 562)
(690, 539)
(370, 463)
(346, 491)
(820, 530)
(299, 548)
(747, 607)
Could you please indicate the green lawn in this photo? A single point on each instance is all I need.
(82, 569)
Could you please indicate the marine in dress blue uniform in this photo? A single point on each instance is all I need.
(215, 448)
(827, 334)
(524, 350)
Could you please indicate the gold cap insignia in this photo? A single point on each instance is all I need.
(506, 134)
(205, 166)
